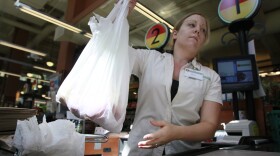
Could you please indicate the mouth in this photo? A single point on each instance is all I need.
(194, 37)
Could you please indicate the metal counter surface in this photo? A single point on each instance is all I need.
(240, 153)
(237, 150)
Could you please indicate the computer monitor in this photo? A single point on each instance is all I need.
(238, 73)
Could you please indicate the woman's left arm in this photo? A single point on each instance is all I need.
(205, 129)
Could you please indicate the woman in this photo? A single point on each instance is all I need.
(179, 100)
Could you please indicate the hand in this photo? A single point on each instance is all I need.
(162, 136)
(131, 4)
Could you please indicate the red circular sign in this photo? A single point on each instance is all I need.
(231, 10)
(157, 36)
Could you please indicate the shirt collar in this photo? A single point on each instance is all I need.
(195, 64)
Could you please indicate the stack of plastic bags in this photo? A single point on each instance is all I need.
(57, 138)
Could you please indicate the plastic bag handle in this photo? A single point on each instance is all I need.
(119, 11)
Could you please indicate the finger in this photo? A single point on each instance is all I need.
(150, 136)
(156, 134)
(157, 123)
(147, 144)
(147, 147)
(149, 141)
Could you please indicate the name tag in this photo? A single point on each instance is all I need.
(194, 74)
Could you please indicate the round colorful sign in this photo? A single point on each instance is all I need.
(157, 36)
(231, 10)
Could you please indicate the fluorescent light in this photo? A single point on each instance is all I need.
(263, 74)
(139, 7)
(45, 69)
(11, 74)
(26, 64)
(29, 10)
(15, 46)
(273, 73)
(151, 15)
(269, 74)
(17, 75)
(88, 35)
(146, 14)
(48, 98)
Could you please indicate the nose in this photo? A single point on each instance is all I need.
(196, 30)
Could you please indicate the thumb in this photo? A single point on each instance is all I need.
(157, 123)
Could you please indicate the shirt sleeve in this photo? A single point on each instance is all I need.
(215, 90)
(137, 60)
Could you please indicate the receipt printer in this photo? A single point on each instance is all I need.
(242, 128)
(238, 128)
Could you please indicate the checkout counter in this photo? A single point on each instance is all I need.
(242, 139)
(244, 131)
(267, 149)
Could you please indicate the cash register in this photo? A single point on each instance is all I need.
(238, 128)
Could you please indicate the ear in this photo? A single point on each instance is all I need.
(174, 34)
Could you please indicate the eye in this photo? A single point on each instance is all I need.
(191, 25)
(204, 30)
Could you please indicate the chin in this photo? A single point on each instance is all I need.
(193, 46)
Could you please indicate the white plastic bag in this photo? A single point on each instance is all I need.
(97, 86)
(48, 139)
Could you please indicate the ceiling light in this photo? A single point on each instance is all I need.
(29, 74)
(45, 69)
(26, 64)
(48, 98)
(151, 15)
(2, 74)
(27, 9)
(11, 74)
(15, 46)
(40, 86)
(273, 73)
(49, 63)
(17, 75)
(139, 7)
(263, 74)
(88, 35)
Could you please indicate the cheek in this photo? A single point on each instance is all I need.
(203, 38)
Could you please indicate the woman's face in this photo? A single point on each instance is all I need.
(192, 33)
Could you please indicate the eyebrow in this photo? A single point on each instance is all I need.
(196, 22)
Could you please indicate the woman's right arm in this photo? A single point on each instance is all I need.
(137, 59)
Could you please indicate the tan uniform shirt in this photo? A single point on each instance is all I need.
(155, 71)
